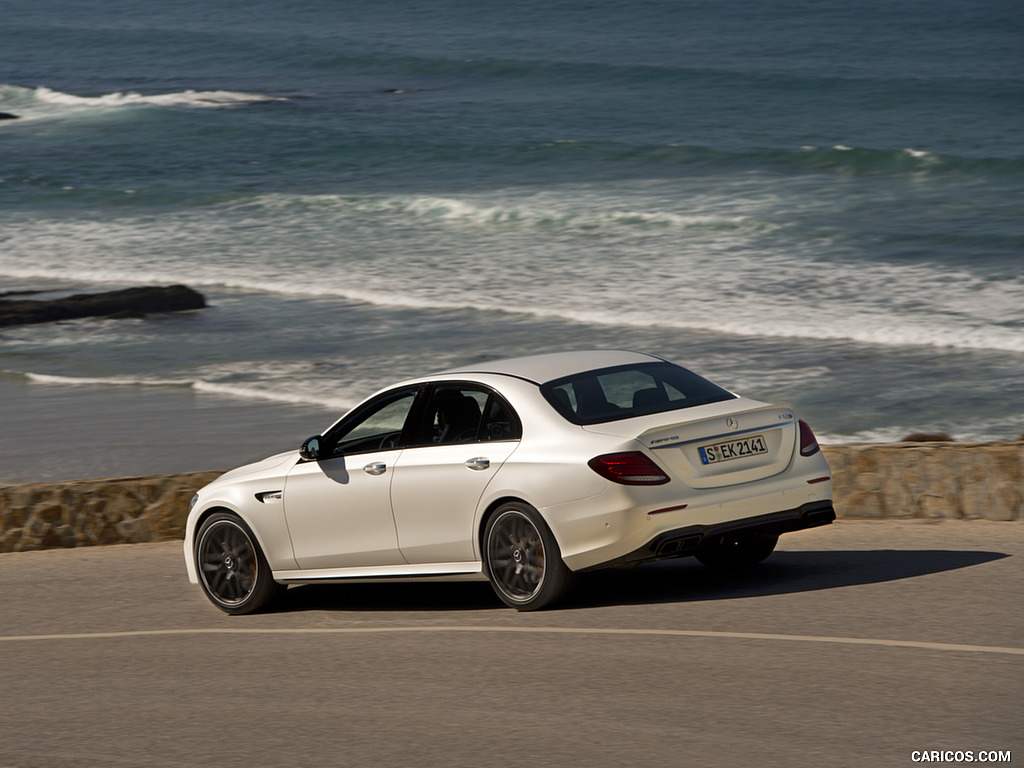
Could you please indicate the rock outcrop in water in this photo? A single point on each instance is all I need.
(127, 303)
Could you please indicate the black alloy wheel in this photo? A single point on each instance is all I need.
(522, 559)
(232, 571)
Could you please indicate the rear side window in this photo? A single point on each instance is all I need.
(610, 394)
(467, 413)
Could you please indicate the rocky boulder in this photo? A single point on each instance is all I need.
(127, 303)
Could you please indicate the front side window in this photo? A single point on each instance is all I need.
(610, 394)
(377, 426)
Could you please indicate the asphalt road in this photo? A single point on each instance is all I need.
(857, 644)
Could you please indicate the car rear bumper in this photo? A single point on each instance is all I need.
(686, 541)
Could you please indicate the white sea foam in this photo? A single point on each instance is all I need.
(106, 381)
(1010, 429)
(878, 435)
(426, 208)
(43, 102)
(130, 98)
(256, 391)
(710, 264)
(742, 314)
(776, 379)
(290, 396)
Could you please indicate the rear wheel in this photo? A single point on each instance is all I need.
(522, 559)
(730, 554)
(232, 570)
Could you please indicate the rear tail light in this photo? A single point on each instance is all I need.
(808, 442)
(633, 468)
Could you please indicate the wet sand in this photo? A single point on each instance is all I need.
(55, 432)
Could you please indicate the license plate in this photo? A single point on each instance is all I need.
(733, 449)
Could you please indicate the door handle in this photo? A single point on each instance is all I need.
(376, 468)
(478, 463)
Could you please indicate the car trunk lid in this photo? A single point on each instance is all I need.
(738, 441)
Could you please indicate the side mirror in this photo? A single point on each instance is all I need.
(310, 450)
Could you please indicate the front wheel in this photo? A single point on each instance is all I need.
(522, 559)
(232, 570)
(729, 554)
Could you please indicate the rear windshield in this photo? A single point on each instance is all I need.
(610, 394)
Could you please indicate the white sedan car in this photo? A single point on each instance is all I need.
(522, 472)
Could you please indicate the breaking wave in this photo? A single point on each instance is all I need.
(108, 381)
(839, 319)
(43, 102)
(287, 395)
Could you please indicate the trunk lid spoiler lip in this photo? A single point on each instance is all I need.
(657, 445)
(657, 424)
(784, 418)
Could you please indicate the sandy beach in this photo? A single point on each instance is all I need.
(56, 433)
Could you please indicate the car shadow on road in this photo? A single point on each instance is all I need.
(670, 581)
(782, 573)
(392, 596)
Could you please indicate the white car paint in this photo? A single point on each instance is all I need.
(419, 510)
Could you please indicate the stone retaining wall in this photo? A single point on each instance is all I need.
(896, 480)
(955, 481)
(81, 513)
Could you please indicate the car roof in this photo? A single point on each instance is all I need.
(543, 368)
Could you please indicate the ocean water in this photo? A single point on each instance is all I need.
(813, 203)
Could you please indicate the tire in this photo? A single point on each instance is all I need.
(233, 572)
(728, 554)
(522, 559)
